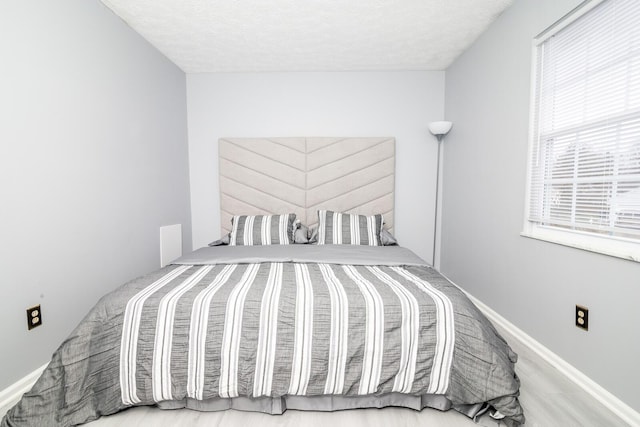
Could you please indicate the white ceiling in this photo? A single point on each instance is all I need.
(202, 36)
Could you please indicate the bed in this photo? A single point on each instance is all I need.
(265, 321)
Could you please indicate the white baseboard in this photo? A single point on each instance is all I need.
(12, 394)
(615, 405)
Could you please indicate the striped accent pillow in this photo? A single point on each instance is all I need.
(255, 230)
(336, 228)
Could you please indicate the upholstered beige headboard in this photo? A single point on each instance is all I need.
(302, 175)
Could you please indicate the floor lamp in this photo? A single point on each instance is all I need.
(439, 129)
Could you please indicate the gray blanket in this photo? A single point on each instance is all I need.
(276, 321)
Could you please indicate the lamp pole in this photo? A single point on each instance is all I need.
(435, 215)
(439, 129)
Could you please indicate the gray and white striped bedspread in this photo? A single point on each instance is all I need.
(274, 328)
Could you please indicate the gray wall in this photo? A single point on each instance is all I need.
(398, 104)
(94, 160)
(533, 284)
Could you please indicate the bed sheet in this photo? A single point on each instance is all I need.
(272, 322)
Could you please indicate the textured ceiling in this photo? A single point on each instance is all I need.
(309, 35)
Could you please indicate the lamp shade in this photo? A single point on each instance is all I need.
(440, 128)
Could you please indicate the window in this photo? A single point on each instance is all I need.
(584, 164)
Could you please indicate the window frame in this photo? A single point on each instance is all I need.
(626, 248)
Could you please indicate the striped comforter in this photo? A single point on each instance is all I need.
(264, 326)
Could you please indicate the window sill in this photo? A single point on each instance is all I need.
(625, 249)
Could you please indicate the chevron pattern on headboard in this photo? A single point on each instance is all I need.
(303, 175)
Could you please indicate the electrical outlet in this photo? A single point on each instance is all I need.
(34, 317)
(582, 317)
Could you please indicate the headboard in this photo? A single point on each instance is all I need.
(302, 175)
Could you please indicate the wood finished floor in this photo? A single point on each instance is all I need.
(548, 399)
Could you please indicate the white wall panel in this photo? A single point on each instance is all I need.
(533, 284)
(94, 160)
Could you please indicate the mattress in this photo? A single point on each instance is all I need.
(274, 327)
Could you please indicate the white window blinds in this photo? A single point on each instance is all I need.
(585, 156)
